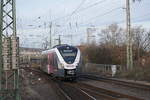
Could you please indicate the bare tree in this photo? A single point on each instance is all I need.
(141, 38)
(112, 35)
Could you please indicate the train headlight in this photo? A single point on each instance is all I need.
(71, 72)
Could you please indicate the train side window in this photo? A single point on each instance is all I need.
(44, 60)
(41, 59)
(49, 59)
(55, 60)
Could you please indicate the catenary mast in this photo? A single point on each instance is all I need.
(9, 52)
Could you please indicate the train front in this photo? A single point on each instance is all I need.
(70, 61)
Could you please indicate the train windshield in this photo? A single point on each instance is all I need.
(68, 53)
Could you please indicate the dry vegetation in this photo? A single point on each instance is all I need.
(112, 50)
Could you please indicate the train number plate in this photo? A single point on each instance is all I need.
(70, 72)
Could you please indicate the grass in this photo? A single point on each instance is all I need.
(140, 74)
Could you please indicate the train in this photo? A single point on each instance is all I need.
(61, 61)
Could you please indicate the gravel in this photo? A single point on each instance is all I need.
(121, 89)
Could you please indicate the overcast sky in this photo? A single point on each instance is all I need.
(73, 17)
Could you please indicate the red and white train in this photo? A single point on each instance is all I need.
(61, 61)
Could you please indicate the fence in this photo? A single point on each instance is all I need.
(102, 69)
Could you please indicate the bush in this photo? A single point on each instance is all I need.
(141, 74)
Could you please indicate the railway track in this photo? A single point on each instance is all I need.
(75, 93)
(108, 94)
(82, 91)
(62, 95)
(118, 82)
(88, 92)
(65, 91)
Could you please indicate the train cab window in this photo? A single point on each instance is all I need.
(68, 53)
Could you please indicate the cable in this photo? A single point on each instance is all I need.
(136, 19)
(145, 15)
(78, 7)
(97, 3)
(108, 12)
(68, 15)
(140, 20)
(92, 5)
(76, 10)
(101, 15)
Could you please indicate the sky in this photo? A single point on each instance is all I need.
(72, 17)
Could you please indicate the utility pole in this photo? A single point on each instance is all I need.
(129, 37)
(88, 35)
(59, 39)
(90, 32)
(50, 36)
(9, 52)
(1, 58)
(71, 39)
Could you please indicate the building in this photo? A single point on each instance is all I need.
(27, 53)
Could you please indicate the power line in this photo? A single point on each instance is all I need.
(92, 5)
(77, 11)
(78, 7)
(141, 19)
(103, 14)
(145, 15)
(69, 15)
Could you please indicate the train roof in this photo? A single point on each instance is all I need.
(63, 45)
(56, 46)
(48, 51)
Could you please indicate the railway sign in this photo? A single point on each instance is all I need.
(6, 52)
(15, 52)
(10, 53)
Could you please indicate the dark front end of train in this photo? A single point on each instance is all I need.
(70, 74)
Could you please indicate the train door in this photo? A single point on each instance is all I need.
(44, 62)
(49, 65)
(55, 62)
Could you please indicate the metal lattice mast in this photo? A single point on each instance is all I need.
(9, 52)
(1, 59)
(129, 37)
